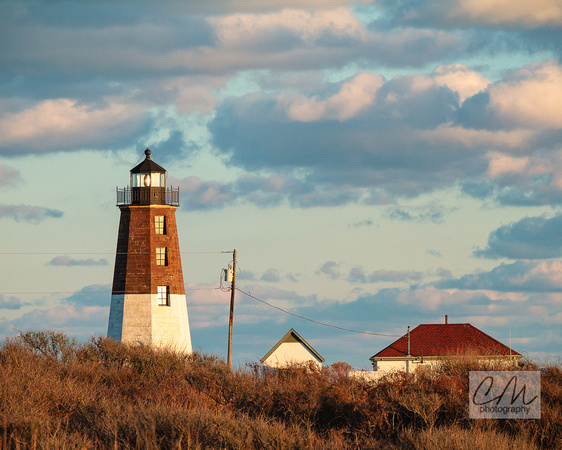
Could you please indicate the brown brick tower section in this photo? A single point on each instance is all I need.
(148, 304)
(136, 271)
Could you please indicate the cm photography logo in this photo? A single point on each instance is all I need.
(504, 395)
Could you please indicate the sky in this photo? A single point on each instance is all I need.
(376, 165)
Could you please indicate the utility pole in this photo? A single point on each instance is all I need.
(232, 288)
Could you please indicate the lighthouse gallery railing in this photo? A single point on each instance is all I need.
(171, 196)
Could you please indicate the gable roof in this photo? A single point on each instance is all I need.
(445, 340)
(293, 336)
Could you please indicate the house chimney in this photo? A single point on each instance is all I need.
(446, 319)
(408, 340)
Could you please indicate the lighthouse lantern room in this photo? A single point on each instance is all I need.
(148, 304)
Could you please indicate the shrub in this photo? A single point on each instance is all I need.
(57, 393)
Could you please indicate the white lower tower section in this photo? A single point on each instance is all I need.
(139, 319)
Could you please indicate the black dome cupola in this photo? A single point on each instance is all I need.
(148, 186)
(148, 173)
(148, 183)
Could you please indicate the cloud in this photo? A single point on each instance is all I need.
(85, 40)
(519, 12)
(432, 299)
(520, 276)
(460, 79)
(364, 142)
(362, 223)
(284, 30)
(202, 195)
(81, 315)
(262, 191)
(526, 100)
(529, 238)
(9, 302)
(64, 124)
(92, 295)
(415, 134)
(189, 94)
(370, 150)
(441, 272)
(79, 321)
(413, 47)
(8, 176)
(67, 261)
(354, 96)
(534, 179)
(300, 39)
(392, 310)
(476, 13)
(529, 97)
(170, 149)
(330, 268)
(273, 276)
(28, 213)
(86, 45)
(432, 213)
(358, 275)
(208, 309)
(270, 276)
(502, 164)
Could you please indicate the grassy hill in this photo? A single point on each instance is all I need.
(57, 393)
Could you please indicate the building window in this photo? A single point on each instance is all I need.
(161, 256)
(164, 295)
(160, 224)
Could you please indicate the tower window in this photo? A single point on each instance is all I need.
(161, 256)
(160, 224)
(164, 295)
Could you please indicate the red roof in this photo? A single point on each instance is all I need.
(446, 340)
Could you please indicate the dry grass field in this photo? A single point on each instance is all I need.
(56, 393)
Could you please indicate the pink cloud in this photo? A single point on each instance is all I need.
(190, 94)
(354, 96)
(244, 29)
(526, 167)
(447, 134)
(523, 12)
(532, 97)
(501, 164)
(432, 298)
(461, 79)
(65, 123)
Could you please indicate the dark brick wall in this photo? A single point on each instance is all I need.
(135, 270)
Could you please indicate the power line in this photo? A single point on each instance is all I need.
(90, 292)
(98, 253)
(316, 321)
(255, 306)
(215, 288)
(187, 289)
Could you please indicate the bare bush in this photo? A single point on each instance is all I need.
(57, 393)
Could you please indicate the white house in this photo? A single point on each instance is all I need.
(427, 344)
(291, 349)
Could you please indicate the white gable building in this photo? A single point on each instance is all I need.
(292, 349)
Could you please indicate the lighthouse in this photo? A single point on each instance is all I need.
(148, 304)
